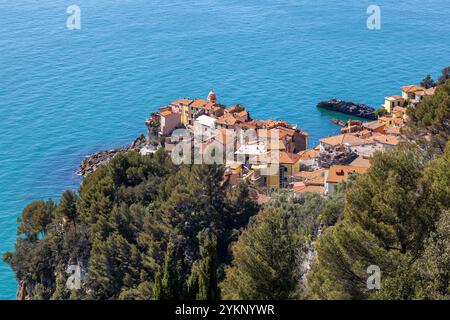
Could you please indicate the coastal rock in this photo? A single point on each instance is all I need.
(95, 160)
(347, 107)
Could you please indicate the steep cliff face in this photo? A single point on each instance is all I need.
(354, 109)
(24, 291)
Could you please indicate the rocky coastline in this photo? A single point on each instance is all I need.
(93, 161)
(350, 108)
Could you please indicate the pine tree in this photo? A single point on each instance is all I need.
(263, 266)
(389, 213)
(427, 82)
(445, 75)
(67, 206)
(35, 218)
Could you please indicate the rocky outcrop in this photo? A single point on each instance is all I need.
(350, 108)
(95, 160)
(24, 291)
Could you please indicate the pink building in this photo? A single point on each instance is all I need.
(170, 119)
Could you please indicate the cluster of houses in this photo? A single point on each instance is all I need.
(276, 155)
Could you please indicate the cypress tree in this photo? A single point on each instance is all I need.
(167, 286)
(203, 283)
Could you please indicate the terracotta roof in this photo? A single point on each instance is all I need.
(277, 157)
(243, 113)
(248, 124)
(166, 113)
(301, 187)
(373, 125)
(426, 92)
(288, 158)
(269, 124)
(211, 106)
(227, 119)
(232, 109)
(315, 177)
(338, 174)
(184, 101)
(198, 103)
(398, 121)
(399, 109)
(412, 88)
(392, 131)
(395, 98)
(361, 162)
(344, 139)
(385, 139)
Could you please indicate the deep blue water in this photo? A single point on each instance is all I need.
(64, 94)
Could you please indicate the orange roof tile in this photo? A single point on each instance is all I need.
(315, 177)
(373, 125)
(227, 119)
(337, 174)
(399, 109)
(385, 139)
(198, 103)
(392, 131)
(412, 88)
(426, 92)
(166, 113)
(301, 187)
(344, 139)
(277, 157)
(184, 101)
(288, 158)
(360, 162)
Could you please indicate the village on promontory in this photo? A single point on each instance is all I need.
(294, 164)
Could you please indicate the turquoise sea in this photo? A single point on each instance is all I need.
(65, 94)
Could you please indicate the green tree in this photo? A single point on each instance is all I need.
(445, 75)
(114, 266)
(35, 219)
(433, 267)
(263, 264)
(389, 213)
(67, 206)
(203, 282)
(429, 124)
(168, 286)
(427, 82)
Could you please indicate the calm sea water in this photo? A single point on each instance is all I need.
(64, 94)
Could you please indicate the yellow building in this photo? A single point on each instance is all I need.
(280, 168)
(391, 102)
(183, 106)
